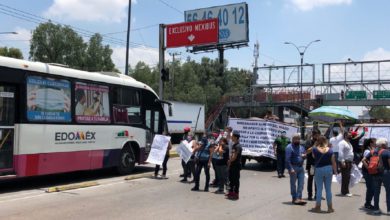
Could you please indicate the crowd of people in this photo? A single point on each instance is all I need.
(317, 157)
(221, 152)
(336, 156)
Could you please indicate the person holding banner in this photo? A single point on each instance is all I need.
(280, 145)
(188, 167)
(295, 156)
(164, 164)
(203, 160)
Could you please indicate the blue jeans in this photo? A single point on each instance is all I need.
(386, 182)
(369, 187)
(378, 180)
(323, 176)
(299, 175)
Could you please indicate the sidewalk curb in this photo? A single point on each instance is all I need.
(139, 176)
(173, 154)
(71, 186)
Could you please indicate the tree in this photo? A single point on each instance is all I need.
(52, 43)
(380, 113)
(98, 57)
(196, 82)
(11, 52)
(143, 73)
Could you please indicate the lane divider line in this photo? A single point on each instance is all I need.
(71, 186)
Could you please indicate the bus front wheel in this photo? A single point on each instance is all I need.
(126, 161)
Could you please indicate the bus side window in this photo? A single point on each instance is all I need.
(156, 122)
(148, 118)
(126, 106)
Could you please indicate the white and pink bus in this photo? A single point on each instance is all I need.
(55, 119)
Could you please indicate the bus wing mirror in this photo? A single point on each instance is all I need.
(170, 110)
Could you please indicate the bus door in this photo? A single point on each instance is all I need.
(154, 125)
(7, 121)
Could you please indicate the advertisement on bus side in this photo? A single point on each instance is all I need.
(48, 99)
(92, 103)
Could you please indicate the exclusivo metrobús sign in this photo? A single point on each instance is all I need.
(192, 33)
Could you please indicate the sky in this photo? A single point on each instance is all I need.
(355, 29)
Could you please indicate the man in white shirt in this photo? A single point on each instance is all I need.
(81, 102)
(334, 143)
(346, 159)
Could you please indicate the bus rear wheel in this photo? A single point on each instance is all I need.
(126, 161)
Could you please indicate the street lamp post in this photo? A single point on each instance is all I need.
(301, 50)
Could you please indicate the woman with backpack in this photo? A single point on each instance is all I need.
(325, 167)
(376, 166)
(369, 145)
(203, 158)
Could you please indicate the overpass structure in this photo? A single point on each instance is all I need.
(363, 83)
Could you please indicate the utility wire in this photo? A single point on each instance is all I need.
(26, 16)
(135, 29)
(170, 6)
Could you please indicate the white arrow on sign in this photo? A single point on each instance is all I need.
(191, 37)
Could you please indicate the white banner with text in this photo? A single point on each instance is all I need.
(159, 149)
(257, 136)
(184, 150)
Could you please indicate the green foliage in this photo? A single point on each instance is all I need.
(98, 57)
(54, 43)
(195, 82)
(380, 113)
(11, 52)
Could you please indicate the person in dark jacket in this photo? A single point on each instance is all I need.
(234, 166)
(203, 158)
(369, 145)
(355, 142)
(222, 151)
(310, 163)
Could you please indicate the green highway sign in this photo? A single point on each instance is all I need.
(356, 95)
(381, 94)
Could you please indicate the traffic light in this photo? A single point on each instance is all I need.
(165, 74)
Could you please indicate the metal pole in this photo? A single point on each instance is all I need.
(302, 118)
(172, 74)
(197, 119)
(221, 60)
(161, 59)
(128, 39)
(302, 53)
